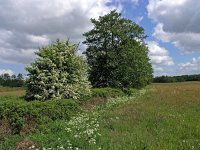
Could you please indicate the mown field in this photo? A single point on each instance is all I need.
(160, 117)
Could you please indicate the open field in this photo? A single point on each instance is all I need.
(15, 91)
(166, 117)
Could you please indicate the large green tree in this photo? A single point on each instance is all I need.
(58, 72)
(116, 53)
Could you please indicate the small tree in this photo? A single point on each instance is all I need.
(117, 53)
(58, 72)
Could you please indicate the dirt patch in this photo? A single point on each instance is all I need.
(4, 127)
(30, 124)
(26, 145)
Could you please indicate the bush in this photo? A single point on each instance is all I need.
(17, 111)
(107, 92)
(57, 73)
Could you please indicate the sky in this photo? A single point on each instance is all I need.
(172, 27)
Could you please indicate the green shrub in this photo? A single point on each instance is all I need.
(18, 111)
(130, 91)
(107, 92)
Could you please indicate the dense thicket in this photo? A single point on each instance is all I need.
(116, 53)
(58, 72)
(182, 78)
(12, 81)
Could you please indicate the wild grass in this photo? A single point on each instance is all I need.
(12, 91)
(164, 117)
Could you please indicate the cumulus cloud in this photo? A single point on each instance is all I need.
(3, 71)
(26, 25)
(159, 58)
(191, 67)
(159, 55)
(177, 22)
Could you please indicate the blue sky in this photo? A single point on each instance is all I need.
(172, 27)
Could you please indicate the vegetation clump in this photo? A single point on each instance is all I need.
(116, 53)
(19, 113)
(57, 73)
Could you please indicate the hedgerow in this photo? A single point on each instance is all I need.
(18, 112)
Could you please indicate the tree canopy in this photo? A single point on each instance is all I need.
(58, 72)
(116, 53)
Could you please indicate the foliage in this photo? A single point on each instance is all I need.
(116, 53)
(12, 81)
(58, 72)
(165, 117)
(106, 92)
(170, 79)
(17, 111)
(80, 132)
(100, 95)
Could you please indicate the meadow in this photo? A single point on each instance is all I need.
(159, 117)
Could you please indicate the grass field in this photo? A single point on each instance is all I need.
(7, 91)
(166, 117)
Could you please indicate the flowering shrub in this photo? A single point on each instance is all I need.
(57, 73)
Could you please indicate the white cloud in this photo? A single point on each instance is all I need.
(158, 69)
(160, 59)
(159, 55)
(27, 24)
(40, 40)
(186, 42)
(191, 67)
(3, 71)
(177, 22)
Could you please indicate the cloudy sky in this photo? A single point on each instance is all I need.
(172, 27)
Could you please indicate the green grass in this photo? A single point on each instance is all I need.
(165, 117)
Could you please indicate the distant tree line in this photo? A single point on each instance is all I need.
(12, 80)
(182, 78)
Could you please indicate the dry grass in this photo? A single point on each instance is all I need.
(8, 91)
